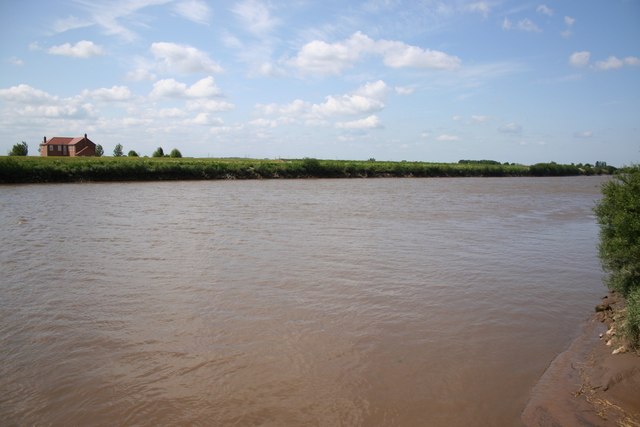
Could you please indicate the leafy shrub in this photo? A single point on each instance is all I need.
(618, 214)
(632, 323)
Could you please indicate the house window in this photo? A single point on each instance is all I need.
(59, 147)
(64, 149)
(51, 148)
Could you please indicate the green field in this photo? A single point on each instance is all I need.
(30, 169)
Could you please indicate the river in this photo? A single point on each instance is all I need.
(373, 302)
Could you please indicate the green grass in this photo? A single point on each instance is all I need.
(33, 169)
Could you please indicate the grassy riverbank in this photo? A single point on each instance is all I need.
(51, 169)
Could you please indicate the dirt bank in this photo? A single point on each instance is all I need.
(587, 385)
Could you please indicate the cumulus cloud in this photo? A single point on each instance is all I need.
(367, 99)
(26, 94)
(31, 102)
(115, 93)
(319, 57)
(545, 10)
(614, 63)
(580, 59)
(177, 58)
(204, 119)
(210, 105)
(255, 16)
(82, 49)
(194, 10)
(170, 88)
(370, 122)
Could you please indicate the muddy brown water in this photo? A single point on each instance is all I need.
(403, 302)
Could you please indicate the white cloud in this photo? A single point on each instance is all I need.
(204, 119)
(140, 74)
(82, 49)
(480, 7)
(545, 10)
(16, 61)
(583, 134)
(364, 101)
(347, 105)
(525, 24)
(194, 10)
(109, 15)
(70, 23)
(31, 102)
(319, 57)
(511, 128)
(580, 59)
(255, 17)
(404, 90)
(370, 122)
(177, 58)
(399, 55)
(568, 21)
(476, 118)
(115, 93)
(262, 122)
(632, 60)
(447, 138)
(210, 105)
(170, 88)
(614, 63)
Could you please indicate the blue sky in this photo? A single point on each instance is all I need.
(425, 80)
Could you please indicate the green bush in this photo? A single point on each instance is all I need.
(618, 214)
(632, 323)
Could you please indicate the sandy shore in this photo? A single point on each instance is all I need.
(587, 385)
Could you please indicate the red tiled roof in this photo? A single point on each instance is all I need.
(61, 140)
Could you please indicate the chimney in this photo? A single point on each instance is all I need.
(44, 140)
(85, 136)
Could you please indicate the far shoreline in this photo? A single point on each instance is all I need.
(31, 169)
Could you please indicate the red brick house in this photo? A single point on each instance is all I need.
(69, 147)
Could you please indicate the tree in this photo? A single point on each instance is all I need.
(158, 153)
(132, 153)
(117, 151)
(21, 149)
(99, 150)
(175, 153)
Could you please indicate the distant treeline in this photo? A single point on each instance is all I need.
(52, 169)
